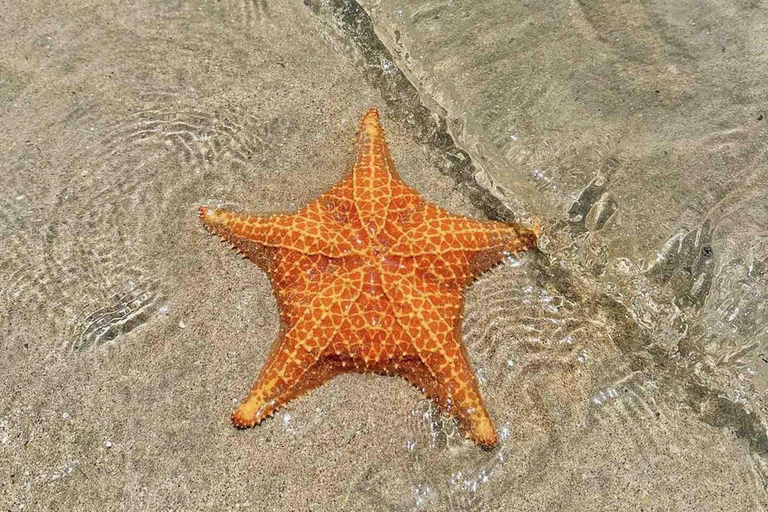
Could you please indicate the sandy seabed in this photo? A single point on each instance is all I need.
(129, 334)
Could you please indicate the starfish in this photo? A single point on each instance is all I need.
(370, 277)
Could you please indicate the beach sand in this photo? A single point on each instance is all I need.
(130, 334)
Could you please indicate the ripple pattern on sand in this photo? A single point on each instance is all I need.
(89, 262)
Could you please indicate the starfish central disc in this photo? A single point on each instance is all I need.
(369, 277)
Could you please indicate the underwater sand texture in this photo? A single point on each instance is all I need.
(622, 363)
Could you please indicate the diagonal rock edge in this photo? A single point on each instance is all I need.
(403, 100)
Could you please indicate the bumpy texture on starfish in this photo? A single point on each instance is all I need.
(370, 277)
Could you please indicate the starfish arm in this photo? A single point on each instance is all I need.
(437, 232)
(309, 231)
(431, 318)
(373, 174)
(291, 368)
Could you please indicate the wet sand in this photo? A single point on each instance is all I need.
(130, 334)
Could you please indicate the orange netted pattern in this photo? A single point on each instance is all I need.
(369, 277)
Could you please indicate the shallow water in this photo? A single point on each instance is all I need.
(624, 363)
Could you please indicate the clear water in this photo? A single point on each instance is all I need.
(624, 363)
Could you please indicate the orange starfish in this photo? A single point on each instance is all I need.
(370, 277)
